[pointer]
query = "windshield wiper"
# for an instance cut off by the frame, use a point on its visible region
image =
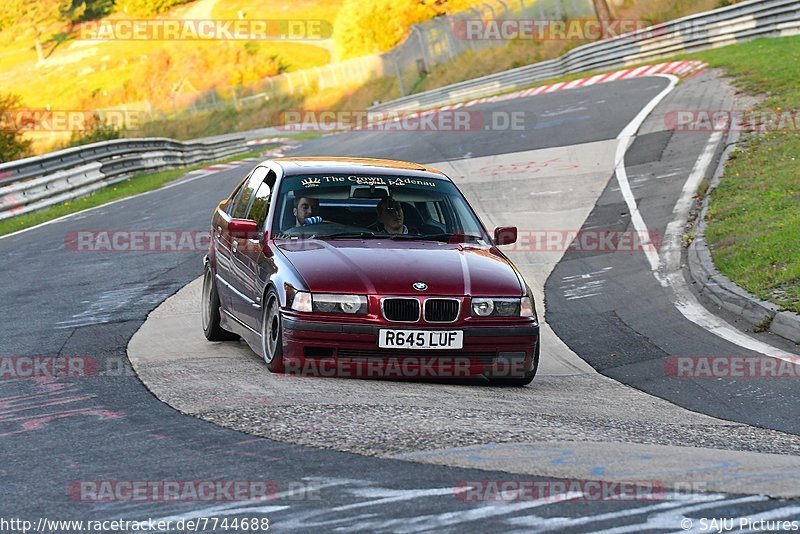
(458, 238)
(345, 235)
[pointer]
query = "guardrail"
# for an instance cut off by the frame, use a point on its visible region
(720, 27)
(35, 183)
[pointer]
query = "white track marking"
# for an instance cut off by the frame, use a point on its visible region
(544, 524)
(575, 291)
(624, 139)
(214, 512)
(671, 249)
(671, 519)
(685, 302)
(241, 507)
(786, 512)
(670, 276)
(399, 496)
(434, 522)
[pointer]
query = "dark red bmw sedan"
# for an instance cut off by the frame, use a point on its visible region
(364, 267)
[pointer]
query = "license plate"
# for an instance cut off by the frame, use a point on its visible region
(420, 339)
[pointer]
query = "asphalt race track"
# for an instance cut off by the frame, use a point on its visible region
(609, 309)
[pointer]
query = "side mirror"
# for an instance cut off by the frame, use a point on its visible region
(505, 235)
(243, 229)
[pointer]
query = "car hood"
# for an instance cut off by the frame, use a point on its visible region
(387, 267)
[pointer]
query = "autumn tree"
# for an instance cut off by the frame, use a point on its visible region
(363, 28)
(12, 144)
(32, 17)
(148, 8)
(602, 10)
(92, 9)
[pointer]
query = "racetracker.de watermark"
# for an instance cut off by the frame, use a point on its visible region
(454, 120)
(69, 120)
(405, 367)
(732, 367)
(47, 366)
(595, 240)
(139, 240)
(165, 241)
(205, 30)
(559, 490)
(710, 120)
(190, 490)
(550, 29)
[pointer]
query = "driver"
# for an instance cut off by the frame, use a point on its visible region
(391, 216)
(305, 211)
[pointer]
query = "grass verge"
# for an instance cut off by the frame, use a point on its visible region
(754, 214)
(134, 185)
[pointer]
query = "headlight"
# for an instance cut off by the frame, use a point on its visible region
(302, 301)
(482, 307)
(332, 303)
(497, 307)
(506, 308)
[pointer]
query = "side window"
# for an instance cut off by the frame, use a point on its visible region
(241, 202)
(260, 206)
(232, 203)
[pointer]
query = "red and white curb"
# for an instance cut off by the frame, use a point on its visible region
(223, 166)
(276, 152)
(267, 140)
(676, 68)
(273, 153)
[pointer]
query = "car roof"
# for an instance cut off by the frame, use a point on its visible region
(341, 165)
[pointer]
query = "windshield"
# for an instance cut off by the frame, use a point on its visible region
(331, 206)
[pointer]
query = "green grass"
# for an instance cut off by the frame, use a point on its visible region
(302, 136)
(134, 185)
(754, 214)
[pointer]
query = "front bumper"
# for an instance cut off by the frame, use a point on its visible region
(321, 348)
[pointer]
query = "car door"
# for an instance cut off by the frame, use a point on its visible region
(251, 266)
(223, 242)
(246, 249)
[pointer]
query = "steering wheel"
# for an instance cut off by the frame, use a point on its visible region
(299, 231)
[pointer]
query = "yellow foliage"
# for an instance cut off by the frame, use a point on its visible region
(363, 28)
(187, 70)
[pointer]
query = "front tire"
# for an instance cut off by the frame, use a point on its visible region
(209, 310)
(272, 333)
